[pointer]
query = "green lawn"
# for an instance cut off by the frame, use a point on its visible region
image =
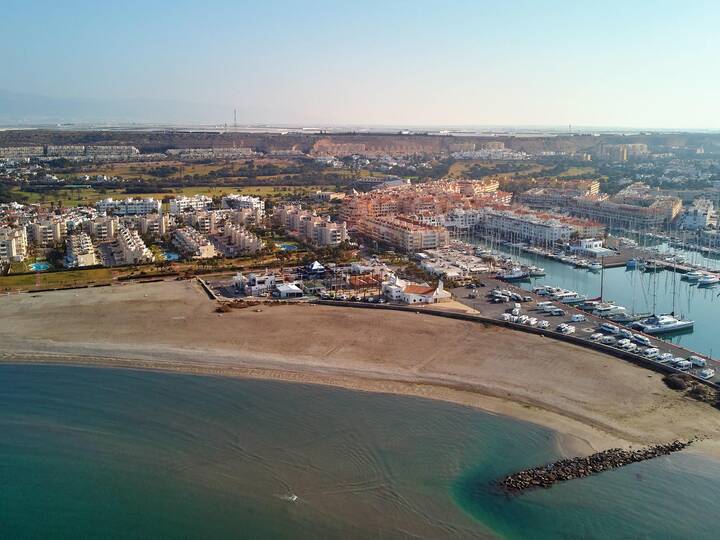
(56, 279)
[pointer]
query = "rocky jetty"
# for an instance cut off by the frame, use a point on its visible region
(568, 469)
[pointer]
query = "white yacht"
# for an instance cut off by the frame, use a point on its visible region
(595, 266)
(662, 324)
(693, 276)
(603, 310)
(708, 279)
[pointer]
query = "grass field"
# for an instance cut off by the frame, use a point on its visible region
(55, 279)
(576, 171)
(85, 196)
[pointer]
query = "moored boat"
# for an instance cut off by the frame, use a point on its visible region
(662, 324)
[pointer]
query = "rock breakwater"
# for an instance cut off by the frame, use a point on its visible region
(546, 476)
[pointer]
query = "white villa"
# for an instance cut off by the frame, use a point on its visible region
(414, 293)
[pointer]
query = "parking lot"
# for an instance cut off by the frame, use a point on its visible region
(589, 328)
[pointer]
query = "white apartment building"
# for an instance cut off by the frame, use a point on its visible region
(128, 207)
(313, 229)
(80, 251)
(47, 232)
(130, 248)
(242, 240)
(205, 222)
(237, 202)
(183, 204)
(111, 150)
(193, 244)
(520, 224)
(21, 152)
(102, 228)
(327, 233)
(153, 225)
(13, 244)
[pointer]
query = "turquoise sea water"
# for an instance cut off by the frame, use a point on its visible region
(101, 453)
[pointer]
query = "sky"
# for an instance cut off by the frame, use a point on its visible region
(641, 63)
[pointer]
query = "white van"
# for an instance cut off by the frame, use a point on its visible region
(697, 361)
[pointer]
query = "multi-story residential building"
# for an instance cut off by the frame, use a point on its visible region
(197, 202)
(111, 150)
(21, 152)
(193, 244)
(313, 229)
(152, 225)
(240, 240)
(438, 197)
(47, 232)
(13, 244)
(130, 248)
(617, 214)
(237, 202)
(205, 222)
(327, 233)
(102, 228)
(521, 224)
(67, 150)
(128, 207)
(558, 194)
(80, 251)
(404, 234)
(699, 216)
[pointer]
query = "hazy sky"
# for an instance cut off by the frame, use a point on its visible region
(604, 63)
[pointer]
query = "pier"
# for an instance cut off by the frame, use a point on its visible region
(545, 476)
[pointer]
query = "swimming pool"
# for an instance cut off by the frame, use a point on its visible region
(287, 247)
(171, 256)
(40, 266)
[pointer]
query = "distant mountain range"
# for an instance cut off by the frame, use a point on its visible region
(20, 108)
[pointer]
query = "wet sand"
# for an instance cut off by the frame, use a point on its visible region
(592, 400)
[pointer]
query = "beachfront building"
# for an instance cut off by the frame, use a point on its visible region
(184, 204)
(399, 290)
(128, 207)
(238, 202)
(101, 228)
(255, 284)
(129, 248)
(193, 244)
(80, 251)
(47, 232)
(404, 234)
(13, 244)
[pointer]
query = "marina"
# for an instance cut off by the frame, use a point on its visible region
(641, 294)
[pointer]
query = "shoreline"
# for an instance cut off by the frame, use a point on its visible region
(573, 437)
(591, 401)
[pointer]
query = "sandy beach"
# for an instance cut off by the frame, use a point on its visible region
(592, 400)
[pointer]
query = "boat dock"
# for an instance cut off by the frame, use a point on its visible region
(478, 300)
